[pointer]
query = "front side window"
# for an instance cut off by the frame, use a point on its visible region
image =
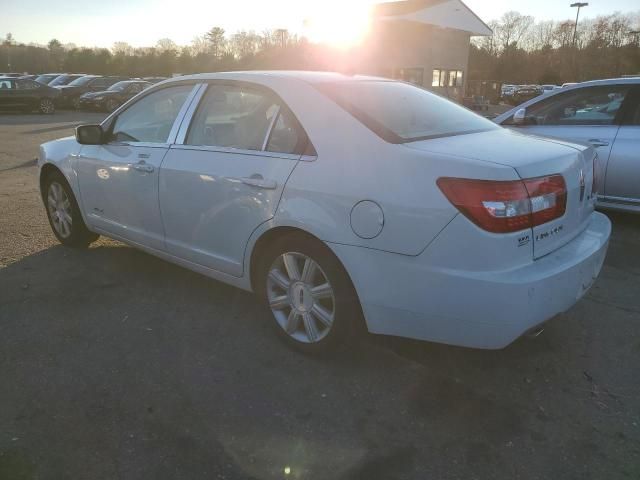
(150, 119)
(585, 106)
(399, 113)
(233, 116)
(26, 85)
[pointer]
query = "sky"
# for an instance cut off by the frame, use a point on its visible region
(143, 22)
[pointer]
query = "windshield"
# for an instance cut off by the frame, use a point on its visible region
(118, 87)
(45, 79)
(78, 82)
(64, 80)
(400, 113)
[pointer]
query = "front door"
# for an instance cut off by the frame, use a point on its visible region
(622, 182)
(119, 180)
(588, 115)
(228, 175)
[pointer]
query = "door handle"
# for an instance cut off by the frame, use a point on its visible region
(598, 143)
(143, 166)
(259, 182)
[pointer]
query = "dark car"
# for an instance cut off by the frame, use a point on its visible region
(114, 96)
(27, 95)
(45, 78)
(70, 94)
(65, 79)
(524, 94)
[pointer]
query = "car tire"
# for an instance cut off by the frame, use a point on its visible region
(46, 106)
(64, 214)
(111, 105)
(313, 304)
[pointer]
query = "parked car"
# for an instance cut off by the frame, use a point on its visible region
(70, 94)
(524, 93)
(549, 88)
(26, 95)
(338, 198)
(114, 96)
(507, 91)
(603, 113)
(65, 79)
(45, 78)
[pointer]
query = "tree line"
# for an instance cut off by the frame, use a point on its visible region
(522, 50)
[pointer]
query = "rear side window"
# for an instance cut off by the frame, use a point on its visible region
(6, 85)
(401, 113)
(233, 116)
(584, 106)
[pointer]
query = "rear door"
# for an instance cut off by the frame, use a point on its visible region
(119, 180)
(225, 176)
(589, 115)
(622, 179)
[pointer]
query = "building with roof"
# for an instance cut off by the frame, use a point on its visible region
(425, 42)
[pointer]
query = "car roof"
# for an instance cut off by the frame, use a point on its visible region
(306, 76)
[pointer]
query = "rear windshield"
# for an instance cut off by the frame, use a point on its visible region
(78, 82)
(400, 113)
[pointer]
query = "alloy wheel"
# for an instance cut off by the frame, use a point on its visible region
(59, 207)
(301, 297)
(46, 105)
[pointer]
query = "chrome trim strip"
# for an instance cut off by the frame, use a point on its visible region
(177, 124)
(270, 129)
(235, 151)
(622, 200)
(188, 115)
(308, 158)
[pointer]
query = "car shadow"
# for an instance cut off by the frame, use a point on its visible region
(134, 354)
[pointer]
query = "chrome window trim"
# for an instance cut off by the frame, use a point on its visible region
(236, 151)
(177, 123)
(272, 124)
(621, 200)
(183, 129)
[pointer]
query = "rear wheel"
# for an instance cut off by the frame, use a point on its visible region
(64, 214)
(46, 106)
(310, 295)
(112, 105)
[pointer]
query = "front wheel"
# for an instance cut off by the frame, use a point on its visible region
(310, 295)
(64, 214)
(46, 106)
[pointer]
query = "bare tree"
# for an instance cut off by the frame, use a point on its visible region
(217, 41)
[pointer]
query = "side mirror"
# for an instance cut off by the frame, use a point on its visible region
(520, 116)
(89, 135)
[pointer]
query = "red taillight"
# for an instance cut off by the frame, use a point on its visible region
(507, 206)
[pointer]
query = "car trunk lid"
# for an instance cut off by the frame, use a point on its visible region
(533, 157)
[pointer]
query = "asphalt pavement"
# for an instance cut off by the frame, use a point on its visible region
(117, 365)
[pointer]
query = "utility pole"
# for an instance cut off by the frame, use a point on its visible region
(575, 27)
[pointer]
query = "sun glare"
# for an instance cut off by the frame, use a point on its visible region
(341, 24)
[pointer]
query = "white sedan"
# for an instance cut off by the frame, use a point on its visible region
(339, 200)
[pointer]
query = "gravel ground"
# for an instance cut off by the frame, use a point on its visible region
(117, 365)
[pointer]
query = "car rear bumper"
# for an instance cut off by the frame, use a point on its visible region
(407, 297)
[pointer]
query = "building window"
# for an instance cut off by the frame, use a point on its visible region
(455, 78)
(439, 78)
